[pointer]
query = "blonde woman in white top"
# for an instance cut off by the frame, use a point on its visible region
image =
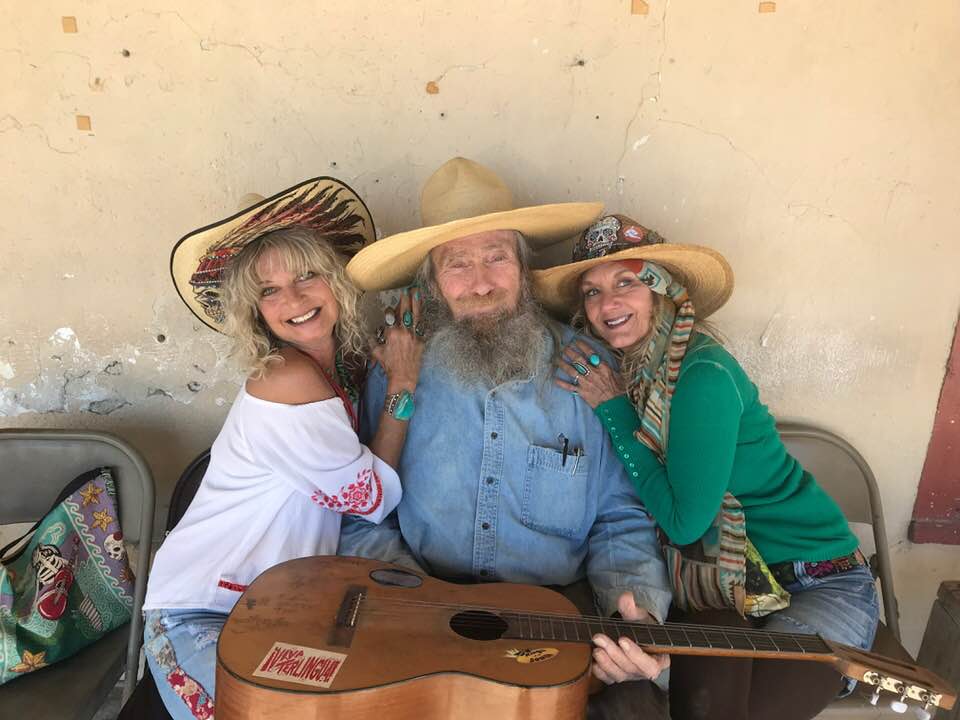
(287, 463)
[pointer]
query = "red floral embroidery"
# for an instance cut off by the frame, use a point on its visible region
(236, 587)
(356, 497)
(193, 694)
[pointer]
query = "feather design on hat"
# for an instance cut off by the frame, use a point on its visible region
(321, 209)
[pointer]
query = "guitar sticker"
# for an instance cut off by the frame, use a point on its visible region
(304, 665)
(527, 656)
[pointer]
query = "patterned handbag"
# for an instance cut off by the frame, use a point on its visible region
(70, 584)
(723, 569)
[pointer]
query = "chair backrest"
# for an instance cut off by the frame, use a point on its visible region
(845, 475)
(145, 703)
(35, 465)
(186, 488)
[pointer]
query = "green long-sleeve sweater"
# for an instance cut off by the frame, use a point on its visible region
(723, 438)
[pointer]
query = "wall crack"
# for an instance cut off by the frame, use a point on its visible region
(733, 146)
(14, 124)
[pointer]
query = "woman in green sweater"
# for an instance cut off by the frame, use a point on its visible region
(690, 429)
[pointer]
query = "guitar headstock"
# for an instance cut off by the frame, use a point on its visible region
(907, 681)
(907, 691)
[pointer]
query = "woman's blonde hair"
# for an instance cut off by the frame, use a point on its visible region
(301, 250)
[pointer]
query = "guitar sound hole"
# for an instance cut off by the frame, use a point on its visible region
(478, 625)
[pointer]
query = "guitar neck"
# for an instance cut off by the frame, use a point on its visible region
(896, 676)
(672, 638)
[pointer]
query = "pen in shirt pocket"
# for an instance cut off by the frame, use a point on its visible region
(565, 451)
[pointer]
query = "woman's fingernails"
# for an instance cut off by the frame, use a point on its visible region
(416, 295)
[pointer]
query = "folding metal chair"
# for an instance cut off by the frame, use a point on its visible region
(145, 702)
(845, 475)
(34, 466)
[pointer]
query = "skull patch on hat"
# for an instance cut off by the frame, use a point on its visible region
(611, 234)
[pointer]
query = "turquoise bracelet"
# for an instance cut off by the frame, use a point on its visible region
(400, 405)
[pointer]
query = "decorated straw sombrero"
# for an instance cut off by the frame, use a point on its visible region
(705, 273)
(325, 204)
(463, 198)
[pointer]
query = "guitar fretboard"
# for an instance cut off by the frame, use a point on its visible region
(526, 626)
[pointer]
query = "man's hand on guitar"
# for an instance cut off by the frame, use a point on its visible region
(615, 662)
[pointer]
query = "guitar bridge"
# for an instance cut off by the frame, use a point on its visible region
(341, 634)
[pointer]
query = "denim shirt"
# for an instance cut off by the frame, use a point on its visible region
(488, 495)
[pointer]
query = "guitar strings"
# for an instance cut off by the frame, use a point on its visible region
(698, 634)
(388, 606)
(719, 638)
(564, 617)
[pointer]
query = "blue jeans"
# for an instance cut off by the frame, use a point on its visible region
(181, 650)
(842, 607)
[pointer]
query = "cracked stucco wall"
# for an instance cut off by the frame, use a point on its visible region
(815, 146)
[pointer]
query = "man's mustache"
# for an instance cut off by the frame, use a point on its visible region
(496, 297)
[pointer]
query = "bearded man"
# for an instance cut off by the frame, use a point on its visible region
(507, 477)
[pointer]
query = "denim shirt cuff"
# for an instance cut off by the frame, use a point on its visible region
(656, 602)
(662, 680)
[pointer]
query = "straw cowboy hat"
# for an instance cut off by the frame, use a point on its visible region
(463, 198)
(325, 204)
(705, 273)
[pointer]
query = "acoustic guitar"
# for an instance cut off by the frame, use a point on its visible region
(334, 637)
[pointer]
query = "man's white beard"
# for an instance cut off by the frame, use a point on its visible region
(490, 349)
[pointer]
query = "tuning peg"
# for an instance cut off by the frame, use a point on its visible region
(923, 713)
(875, 698)
(899, 706)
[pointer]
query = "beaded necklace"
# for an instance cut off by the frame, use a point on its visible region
(344, 397)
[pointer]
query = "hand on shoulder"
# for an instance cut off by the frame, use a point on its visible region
(294, 380)
(587, 375)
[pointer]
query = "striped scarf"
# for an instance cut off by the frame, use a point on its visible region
(654, 379)
(719, 577)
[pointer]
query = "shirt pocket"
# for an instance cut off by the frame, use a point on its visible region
(554, 496)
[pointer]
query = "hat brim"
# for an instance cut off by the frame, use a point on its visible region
(705, 274)
(190, 250)
(394, 260)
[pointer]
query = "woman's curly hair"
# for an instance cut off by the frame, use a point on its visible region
(301, 250)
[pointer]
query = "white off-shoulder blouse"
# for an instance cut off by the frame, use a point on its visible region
(279, 479)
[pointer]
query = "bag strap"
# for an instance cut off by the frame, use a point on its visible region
(70, 488)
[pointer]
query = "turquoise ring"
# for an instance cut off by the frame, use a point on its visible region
(594, 360)
(580, 368)
(407, 319)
